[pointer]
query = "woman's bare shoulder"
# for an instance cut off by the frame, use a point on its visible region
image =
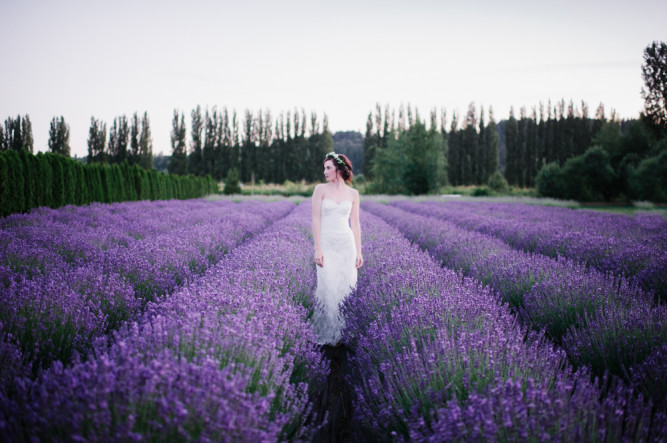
(319, 189)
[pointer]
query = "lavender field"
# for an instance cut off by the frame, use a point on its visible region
(471, 321)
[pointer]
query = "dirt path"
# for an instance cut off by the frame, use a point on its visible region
(335, 397)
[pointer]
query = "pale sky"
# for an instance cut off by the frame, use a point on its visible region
(104, 59)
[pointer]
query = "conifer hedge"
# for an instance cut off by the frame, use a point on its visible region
(28, 181)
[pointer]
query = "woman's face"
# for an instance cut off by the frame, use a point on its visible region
(330, 171)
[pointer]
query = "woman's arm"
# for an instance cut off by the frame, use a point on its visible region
(356, 228)
(317, 204)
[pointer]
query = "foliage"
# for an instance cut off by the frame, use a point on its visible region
(497, 182)
(654, 73)
(232, 185)
(649, 180)
(47, 179)
(17, 134)
(59, 136)
(412, 163)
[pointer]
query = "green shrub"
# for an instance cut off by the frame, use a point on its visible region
(497, 182)
(232, 185)
(549, 181)
(649, 180)
(481, 191)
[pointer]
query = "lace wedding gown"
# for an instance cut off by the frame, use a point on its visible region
(338, 276)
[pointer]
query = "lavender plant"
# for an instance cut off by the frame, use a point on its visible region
(558, 296)
(69, 275)
(634, 247)
(229, 357)
(438, 357)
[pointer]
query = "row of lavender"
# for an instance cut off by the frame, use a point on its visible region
(227, 358)
(601, 320)
(634, 247)
(438, 357)
(75, 273)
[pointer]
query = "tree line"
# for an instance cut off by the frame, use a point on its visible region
(260, 147)
(625, 159)
(48, 179)
(129, 141)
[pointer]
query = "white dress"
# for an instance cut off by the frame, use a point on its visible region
(338, 277)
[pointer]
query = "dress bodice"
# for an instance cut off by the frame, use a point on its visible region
(335, 217)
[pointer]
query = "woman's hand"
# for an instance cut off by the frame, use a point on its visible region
(319, 257)
(360, 261)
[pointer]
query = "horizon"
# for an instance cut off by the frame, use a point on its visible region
(82, 60)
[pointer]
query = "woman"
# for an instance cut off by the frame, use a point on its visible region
(337, 237)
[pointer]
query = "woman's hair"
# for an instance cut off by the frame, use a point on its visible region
(342, 163)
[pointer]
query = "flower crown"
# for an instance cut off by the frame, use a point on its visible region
(335, 156)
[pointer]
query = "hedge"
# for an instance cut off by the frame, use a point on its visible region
(28, 181)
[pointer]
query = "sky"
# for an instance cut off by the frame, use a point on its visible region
(83, 59)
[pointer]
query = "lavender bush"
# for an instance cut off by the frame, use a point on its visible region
(227, 358)
(438, 357)
(71, 275)
(634, 247)
(558, 296)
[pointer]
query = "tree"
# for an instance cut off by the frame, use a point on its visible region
(145, 144)
(196, 158)
(18, 134)
(178, 162)
(118, 138)
(97, 140)
(491, 138)
(232, 185)
(59, 136)
(370, 143)
(654, 73)
(133, 152)
(512, 150)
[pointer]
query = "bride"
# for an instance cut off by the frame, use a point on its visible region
(337, 236)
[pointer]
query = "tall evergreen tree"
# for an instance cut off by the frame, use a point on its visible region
(59, 136)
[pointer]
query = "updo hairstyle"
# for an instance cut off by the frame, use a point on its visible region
(345, 167)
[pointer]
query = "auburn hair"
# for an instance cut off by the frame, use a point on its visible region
(345, 169)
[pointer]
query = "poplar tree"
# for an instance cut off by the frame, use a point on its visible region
(178, 162)
(196, 159)
(18, 134)
(145, 144)
(469, 147)
(118, 139)
(511, 149)
(454, 143)
(370, 143)
(59, 136)
(491, 136)
(133, 151)
(97, 140)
